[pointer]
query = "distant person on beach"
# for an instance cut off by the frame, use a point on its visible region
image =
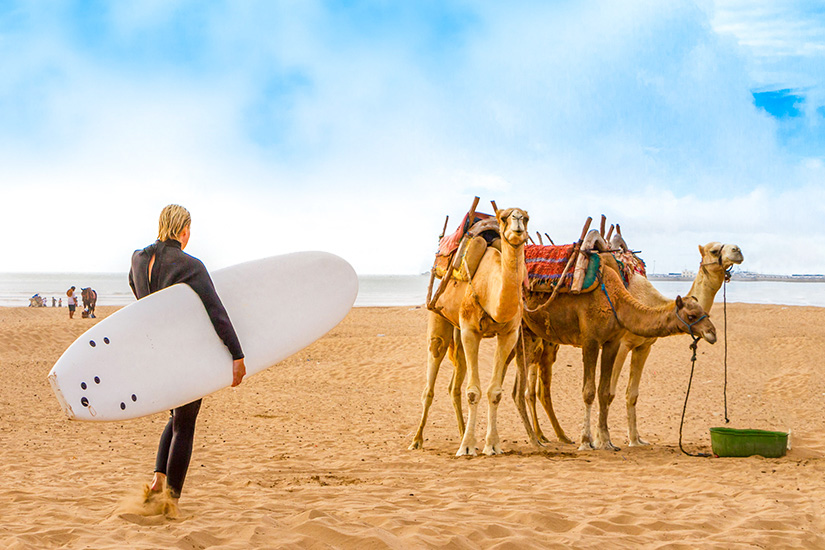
(71, 301)
(156, 267)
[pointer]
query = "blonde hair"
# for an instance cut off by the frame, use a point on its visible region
(173, 220)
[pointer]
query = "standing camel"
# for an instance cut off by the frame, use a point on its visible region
(89, 301)
(596, 321)
(717, 258)
(488, 304)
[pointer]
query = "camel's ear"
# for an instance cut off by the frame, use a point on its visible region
(701, 251)
(503, 214)
(679, 303)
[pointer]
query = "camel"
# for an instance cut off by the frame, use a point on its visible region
(89, 301)
(717, 259)
(488, 304)
(597, 320)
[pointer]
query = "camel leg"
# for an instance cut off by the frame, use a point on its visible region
(471, 339)
(459, 372)
(547, 359)
(609, 350)
(590, 354)
(618, 365)
(506, 343)
(439, 333)
(521, 390)
(531, 391)
(528, 356)
(637, 365)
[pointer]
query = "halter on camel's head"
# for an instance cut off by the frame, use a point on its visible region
(694, 319)
(513, 225)
(722, 256)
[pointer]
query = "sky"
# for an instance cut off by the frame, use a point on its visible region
(355, 127)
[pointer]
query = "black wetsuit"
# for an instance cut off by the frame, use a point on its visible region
(172, 265)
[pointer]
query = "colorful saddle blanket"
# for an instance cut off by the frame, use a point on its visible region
(629, 263)
(449, 243)
(545, 265)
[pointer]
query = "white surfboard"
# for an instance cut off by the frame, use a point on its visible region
(162, 351)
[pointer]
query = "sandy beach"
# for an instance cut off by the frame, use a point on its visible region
(312, 453)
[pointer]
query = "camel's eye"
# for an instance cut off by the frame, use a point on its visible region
(691, 318)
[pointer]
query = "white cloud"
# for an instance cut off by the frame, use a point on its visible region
(640, 112)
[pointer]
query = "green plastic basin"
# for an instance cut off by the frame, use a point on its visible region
(732, 442)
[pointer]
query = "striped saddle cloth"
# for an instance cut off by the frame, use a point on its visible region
(545, 265)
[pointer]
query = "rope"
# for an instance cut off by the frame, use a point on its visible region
(725, 309)
(693, 346)
(609, 301)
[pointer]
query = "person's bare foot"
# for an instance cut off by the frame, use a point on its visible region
(157, 482)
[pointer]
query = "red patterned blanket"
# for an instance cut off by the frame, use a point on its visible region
(449, 243)
(546, 263)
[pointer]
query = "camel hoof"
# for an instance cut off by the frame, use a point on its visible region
(606, 445)
(638, 442)
(586, 446)
(566, 440)
(467, 451)
(416, 445)
(492, 450)
(543, 441)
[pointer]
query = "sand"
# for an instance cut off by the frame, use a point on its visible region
(312, 453)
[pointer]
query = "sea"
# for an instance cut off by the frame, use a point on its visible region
(378, 290)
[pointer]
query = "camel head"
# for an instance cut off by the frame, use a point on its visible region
(512, 224)
(694, 320)
(721, 257)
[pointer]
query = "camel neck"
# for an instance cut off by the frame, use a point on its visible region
(512, 276)
(650, 322)
(706, 284)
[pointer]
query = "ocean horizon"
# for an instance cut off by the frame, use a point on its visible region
(379, 290)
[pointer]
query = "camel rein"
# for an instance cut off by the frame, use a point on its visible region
(693, 365)
(725, 315)
(609, 301)
(693, 347)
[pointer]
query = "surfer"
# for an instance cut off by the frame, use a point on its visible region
(160, 265)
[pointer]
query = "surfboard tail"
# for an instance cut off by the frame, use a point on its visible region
(67, 409)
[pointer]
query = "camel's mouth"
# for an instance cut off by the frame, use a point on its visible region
(709, 336)
(732, 254)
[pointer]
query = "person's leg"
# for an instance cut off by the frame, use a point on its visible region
(162, 457)
(180, 448)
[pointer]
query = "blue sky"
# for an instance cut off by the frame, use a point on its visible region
(355, 127)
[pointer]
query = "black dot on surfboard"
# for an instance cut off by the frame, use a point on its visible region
(123, 406)
(84, 401)
(92, 343)
(134, 397)
(97, 380)
(83, 385)
(106, 340)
